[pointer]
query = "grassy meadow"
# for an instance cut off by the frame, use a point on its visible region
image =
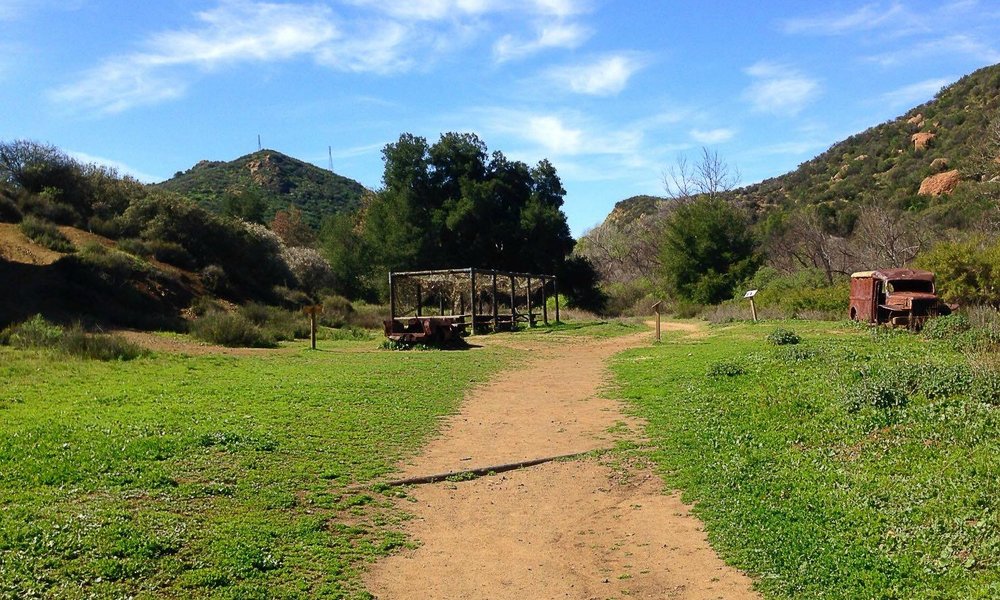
(211, 476)
(856, 463)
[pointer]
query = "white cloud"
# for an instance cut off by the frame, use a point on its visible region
(234, 32)
(779, 89)
(429, 10)
(605, 76)
(712, 136)
(960, 44)
(555, 35)
(870, 16)
(916, 93)
(122, 168)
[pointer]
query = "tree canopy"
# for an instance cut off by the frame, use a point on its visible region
(455, 204)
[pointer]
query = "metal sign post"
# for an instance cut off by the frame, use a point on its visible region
(753, 309)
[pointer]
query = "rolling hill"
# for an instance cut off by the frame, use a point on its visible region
(913, 162)
(279, 178)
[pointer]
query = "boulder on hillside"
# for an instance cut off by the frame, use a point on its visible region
(942, 183)
(917, 119)
(940, 164)
(921, 140)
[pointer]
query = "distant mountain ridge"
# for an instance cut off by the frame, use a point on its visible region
(912, 161)
(282, 179)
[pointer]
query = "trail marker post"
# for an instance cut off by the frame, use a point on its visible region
(656, 307)
(753, 309)
(312, 311)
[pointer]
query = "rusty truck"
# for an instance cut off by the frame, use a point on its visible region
(904, 297)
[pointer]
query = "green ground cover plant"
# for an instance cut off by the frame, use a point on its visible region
(46, 234)
(860, 463)
(211, 476)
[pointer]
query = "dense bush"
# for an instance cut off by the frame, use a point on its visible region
(230, 329)
(336, 311)
(113, 266)
(873, 392)
(946, 327)
(38, 333)
(794, 295)
(783, 337)
(45, 234)
(9, 212)
(966, 270)
(725, 368)
(276, 323)
(77, 342)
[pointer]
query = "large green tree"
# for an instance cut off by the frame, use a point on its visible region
(708, 248)
(455, 204)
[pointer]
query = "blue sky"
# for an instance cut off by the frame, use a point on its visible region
(611, 92)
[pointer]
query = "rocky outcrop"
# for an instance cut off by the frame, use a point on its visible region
(917, 120)
(942, 183)
(940, 164)
(921, 140)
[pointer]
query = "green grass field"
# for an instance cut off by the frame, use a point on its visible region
(211, 476)
(855, 464)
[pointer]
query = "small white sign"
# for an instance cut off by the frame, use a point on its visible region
(750, 294)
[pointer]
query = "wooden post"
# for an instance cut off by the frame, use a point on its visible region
(513, 324)
(312, 311)
(530, 322)
(496, 314)
(555, 292)
(656, 307)
(753, 309)
(420, 301)
(440, 303)
(392, 298)
(545, 303)
(472, 285)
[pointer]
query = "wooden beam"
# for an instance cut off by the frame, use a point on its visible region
(545, 303)
(392, 297)
(496, 314)
(531, 322)
(555, 292)
(472, 286)
(420, 301)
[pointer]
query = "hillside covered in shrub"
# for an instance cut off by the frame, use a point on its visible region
(921, 189)
(258, 185)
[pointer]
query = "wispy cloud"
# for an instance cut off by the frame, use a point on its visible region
(604, 76)
(712, 136)
(235, 32)
(865, 18)
(122, 168)
(957, 44)
(779, 89)
(374, 37)
(916, 93)
(555, 35)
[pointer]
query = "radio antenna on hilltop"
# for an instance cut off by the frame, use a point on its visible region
(329, 150)
(258, 143)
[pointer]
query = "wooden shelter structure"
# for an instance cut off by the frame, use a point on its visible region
(438, 305)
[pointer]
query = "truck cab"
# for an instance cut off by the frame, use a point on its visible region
(904, 297)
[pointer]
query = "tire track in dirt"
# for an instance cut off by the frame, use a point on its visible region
(581, 529)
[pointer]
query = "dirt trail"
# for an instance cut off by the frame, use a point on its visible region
(579, 529)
